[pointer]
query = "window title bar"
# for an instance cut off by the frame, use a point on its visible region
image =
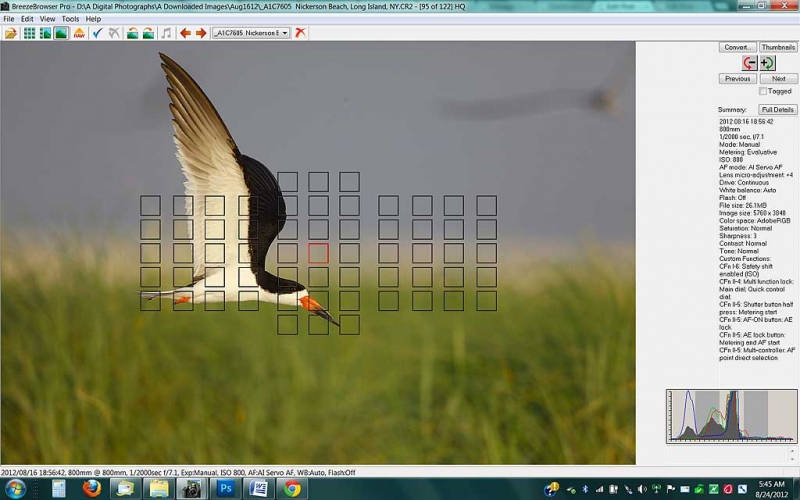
(403, 7)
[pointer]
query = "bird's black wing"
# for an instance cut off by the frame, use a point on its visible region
(267, 211)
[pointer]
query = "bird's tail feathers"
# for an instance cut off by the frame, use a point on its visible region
(177, 293)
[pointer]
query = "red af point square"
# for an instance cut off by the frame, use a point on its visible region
(319, 253)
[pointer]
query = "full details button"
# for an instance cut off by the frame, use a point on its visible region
(777, 109)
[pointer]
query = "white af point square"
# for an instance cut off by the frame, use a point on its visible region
(215, 277)
(215, 229)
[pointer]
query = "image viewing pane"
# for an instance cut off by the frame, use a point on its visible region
(396, 253)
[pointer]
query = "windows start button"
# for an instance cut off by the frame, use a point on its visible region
(250, 33)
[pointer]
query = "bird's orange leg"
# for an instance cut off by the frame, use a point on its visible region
(182, 300)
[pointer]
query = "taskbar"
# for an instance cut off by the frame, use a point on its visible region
(440, 488)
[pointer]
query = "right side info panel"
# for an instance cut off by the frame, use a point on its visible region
(718, 252)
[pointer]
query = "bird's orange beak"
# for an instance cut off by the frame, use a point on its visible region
(312, 306)
(309, 303)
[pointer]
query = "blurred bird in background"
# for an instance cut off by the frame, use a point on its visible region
(604, 98)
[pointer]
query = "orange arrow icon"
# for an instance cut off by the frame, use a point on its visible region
(201, 33)
(185, 32)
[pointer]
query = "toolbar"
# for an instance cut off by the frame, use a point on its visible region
(405, 7)
(38, 32)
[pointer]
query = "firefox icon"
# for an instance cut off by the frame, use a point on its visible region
(92, 488)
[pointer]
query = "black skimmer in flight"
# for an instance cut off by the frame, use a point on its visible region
(241, 191)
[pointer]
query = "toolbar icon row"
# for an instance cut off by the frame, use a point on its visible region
(145, 33)
(44, 33)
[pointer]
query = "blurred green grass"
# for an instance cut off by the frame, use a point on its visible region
(88, 378)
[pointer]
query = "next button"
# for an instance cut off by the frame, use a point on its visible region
(778, 78)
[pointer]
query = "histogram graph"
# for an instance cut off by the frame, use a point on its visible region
(712, 416)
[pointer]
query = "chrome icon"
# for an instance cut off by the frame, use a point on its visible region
(292, 488)
(16, 488)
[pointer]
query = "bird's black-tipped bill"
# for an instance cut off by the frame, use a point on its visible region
(326, 315)
(313, 306)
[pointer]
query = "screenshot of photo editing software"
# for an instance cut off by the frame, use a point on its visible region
(399, 250)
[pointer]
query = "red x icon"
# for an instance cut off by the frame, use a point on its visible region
(783, 5)
(300, 32)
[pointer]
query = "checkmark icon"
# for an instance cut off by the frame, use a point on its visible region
(96, 33)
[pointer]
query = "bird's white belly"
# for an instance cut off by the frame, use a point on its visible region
(239, 285)
(232, 285)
